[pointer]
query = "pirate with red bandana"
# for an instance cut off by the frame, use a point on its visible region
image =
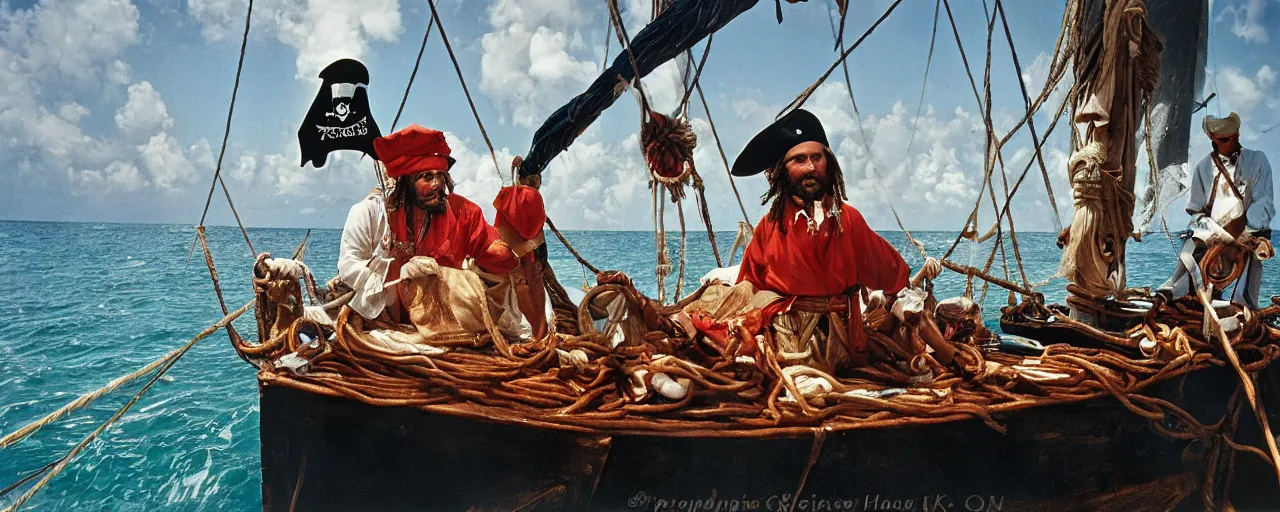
(420, 217)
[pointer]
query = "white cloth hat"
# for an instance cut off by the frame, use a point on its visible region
(1222, 126)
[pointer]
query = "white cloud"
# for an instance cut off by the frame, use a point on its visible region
(72, 112)
(145, 113)
(1247, 20)
(73, 38)
(534, 57)
(244, 169)
(119, 176)
(321, 31)
(49, 52)
(169, 168)
(118, 73)
(1242, 93)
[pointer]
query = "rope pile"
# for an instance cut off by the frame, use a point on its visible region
(663, 382)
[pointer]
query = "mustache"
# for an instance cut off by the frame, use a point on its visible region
(810, 175)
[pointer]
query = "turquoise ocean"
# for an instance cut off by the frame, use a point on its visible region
(83, 303)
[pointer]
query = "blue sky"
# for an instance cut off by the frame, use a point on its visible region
(113, 110)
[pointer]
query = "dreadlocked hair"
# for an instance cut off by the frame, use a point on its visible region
(402, 190)
(780, 187)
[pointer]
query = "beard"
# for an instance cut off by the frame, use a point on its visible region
(809, 188)
(433, 204)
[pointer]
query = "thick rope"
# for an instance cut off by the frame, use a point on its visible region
(226, 134)
(232, 335)
(88, 398)
(705, 212)
(458, 69)
(575, 254)
(29, 477)
(683, 250)
(620, 29)
(416, 63)
(66, 459)
(1246, 381)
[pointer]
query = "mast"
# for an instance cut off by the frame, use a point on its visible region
(1116, 66)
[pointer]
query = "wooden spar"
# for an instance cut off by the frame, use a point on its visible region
(976, 272)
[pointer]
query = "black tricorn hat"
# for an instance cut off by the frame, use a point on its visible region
(773, 143)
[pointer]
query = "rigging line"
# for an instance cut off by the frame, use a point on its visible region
(378, 170)
(928, 64)
(28, 478)
(1062, 107)
(226, 134)
(728, 172)
(458, 69)
(990, 140)
(871, 160)
(66, 459)
(688, 91)
(1031, 124)
(989, 165)
(620, 30)
(804, 96)
(414, 74)
(608, 34)
(1004, 179)
(867, 144)
(581, 260)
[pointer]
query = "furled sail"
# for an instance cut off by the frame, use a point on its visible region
(1116, 67)
(1183, 27)
(675, 30)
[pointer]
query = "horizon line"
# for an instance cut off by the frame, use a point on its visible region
(37, 221)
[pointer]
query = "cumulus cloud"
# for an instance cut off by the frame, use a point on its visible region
(169, 167)
(118, 176)
(1243, 93)
(534, 56)
(145, 112)
(1247, 20)
(49, 51)
(56, 53)
(321, 31)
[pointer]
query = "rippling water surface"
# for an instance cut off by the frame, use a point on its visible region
(81, 304)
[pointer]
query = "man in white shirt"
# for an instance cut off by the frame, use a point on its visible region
(1231, 197)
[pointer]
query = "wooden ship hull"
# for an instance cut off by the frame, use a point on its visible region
(328, 453)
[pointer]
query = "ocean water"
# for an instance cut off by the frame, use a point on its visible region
(83, 303)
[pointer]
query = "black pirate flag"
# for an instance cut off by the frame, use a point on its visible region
(339, 117)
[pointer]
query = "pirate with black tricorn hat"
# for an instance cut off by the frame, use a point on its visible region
(813, 244)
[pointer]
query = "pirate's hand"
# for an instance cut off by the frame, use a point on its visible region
(401, 254)
(931, 268)
(420, 266)
(1204, 228)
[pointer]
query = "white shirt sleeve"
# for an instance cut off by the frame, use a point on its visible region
(1261, 201)
(1201, 180)
(362, 262)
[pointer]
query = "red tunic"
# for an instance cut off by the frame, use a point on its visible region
(459, 232)
(826, 263)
